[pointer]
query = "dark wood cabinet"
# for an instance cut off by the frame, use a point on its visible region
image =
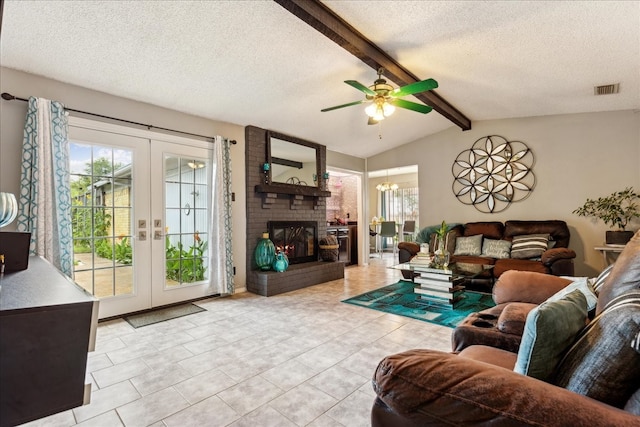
(353, 239)
(47, 327)
(348, 240)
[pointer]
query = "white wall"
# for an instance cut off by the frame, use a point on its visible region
(409, 180)
(577, 156)
(12, 115)
(344, 161)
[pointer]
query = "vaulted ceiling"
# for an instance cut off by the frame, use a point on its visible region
(254, 62)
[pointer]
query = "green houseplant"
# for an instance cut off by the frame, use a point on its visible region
(441, 258)
(615, 210)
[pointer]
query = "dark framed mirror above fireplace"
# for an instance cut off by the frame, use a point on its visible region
(297, 239)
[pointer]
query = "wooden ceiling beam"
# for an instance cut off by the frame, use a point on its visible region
(323, 19)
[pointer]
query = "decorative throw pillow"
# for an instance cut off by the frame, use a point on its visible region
(425, 235)
(529, 246)
(449, 241)
(597, 282)
(471, 245)
(549, 331)
(581, 283)
(498, 249)
(604, 364)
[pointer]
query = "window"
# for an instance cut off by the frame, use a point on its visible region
(400, 205)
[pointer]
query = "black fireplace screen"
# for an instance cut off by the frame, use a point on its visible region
(297, 239)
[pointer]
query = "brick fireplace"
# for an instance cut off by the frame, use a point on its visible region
(265, 205)
(298, 240)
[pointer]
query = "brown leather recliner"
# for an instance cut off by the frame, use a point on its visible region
(515, 294)
(596, 383)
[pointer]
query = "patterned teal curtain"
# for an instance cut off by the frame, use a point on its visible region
(221, 260)
(45, 198)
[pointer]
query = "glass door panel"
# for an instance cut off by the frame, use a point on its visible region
(184, 253)
(101, 218)
(108, 173)
(187, 220)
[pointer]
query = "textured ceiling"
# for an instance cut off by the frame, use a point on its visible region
(254, 63)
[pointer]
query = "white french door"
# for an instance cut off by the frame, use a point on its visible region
(180, 179)
(140, 216)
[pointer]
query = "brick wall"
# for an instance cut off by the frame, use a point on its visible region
(344, 198)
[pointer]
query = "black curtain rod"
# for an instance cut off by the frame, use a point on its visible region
(9, 97)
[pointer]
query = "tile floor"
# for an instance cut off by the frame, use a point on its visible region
(298, 359)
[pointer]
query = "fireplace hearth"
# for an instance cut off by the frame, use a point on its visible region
(296, 239)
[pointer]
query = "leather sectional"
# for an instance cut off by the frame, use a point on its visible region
(556, 260)
(595, 382)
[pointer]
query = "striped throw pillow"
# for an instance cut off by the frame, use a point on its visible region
(529, 246)
(603, 363)
(599, 281)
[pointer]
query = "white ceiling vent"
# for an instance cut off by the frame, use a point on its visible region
(606, 89)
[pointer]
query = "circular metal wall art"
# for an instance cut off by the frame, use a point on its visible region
(493, 173)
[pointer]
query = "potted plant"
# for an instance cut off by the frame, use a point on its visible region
(442, 234)
(615, 210)
(441, 256)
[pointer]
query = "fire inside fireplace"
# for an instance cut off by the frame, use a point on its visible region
(296, 239)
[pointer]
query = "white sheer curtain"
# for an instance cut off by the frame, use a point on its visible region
(45, 198)
(220, 259)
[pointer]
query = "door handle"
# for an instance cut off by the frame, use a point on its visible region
(157, 233)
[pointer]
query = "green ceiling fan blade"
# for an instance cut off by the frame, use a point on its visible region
(413, 88)
(360, 87)
(420, 108)
(343, 105)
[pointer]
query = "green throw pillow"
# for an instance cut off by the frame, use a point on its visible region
(549, 331)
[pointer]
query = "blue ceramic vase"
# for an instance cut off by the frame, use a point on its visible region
(281, 263)
(265, 253)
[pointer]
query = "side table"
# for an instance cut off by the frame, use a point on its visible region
(606, 250)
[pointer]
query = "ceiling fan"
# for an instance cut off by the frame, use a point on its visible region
(384, 98)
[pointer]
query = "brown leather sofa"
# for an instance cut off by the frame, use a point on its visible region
(596, 382)
(558, 260)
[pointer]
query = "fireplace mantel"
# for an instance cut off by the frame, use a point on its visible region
(292, 190)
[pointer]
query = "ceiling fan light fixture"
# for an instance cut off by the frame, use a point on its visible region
(388, 109)
(383, 98)
(379, 115)
(379, 109)
(371, 110)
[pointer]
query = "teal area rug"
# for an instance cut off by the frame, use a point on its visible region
(400, 299)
